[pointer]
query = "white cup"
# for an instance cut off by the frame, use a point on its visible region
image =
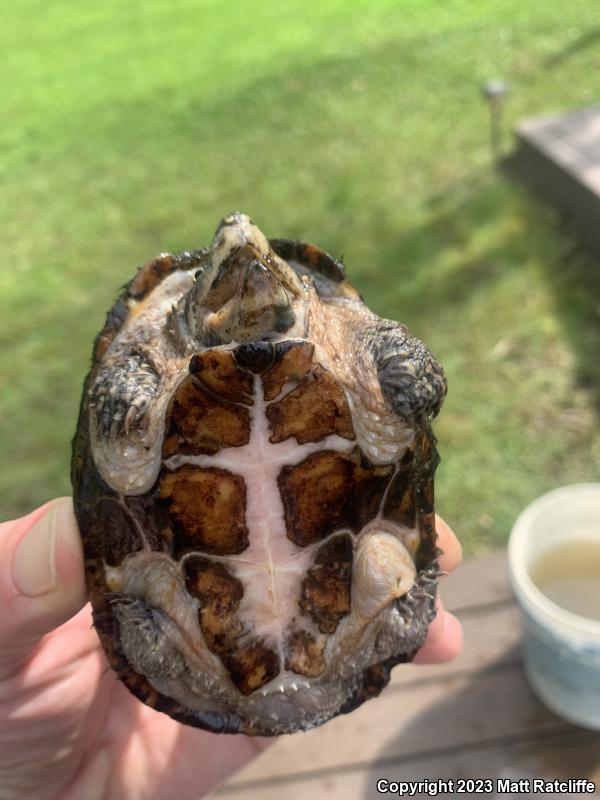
(561, 649)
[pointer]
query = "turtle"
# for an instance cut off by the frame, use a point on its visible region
(253, 475)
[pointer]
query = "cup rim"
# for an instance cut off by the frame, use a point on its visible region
(520, 579)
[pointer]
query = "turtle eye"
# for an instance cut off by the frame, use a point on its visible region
(198, 274)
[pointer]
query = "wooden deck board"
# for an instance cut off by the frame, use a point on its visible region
(544, 754)
(473, 717)
(559, 158)
(477, 582)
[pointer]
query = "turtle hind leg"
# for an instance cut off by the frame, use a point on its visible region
(144, 637)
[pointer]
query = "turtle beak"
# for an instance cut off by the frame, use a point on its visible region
(233, 233)
(248, 292)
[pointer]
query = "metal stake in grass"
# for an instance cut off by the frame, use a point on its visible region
(495, 92)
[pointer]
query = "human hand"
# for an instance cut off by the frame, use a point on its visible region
(445, 636)
(67, 732)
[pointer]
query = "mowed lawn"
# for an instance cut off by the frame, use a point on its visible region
(131, 128)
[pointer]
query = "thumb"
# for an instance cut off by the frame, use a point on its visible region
(42, 580)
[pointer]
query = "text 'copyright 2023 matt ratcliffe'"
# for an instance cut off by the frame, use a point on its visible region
(484, 786)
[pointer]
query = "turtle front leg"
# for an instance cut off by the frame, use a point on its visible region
(121, 395)
(411, 380)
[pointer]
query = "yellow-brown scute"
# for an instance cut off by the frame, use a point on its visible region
(252, 666)
(207, 509)
(199, 421)
(325, 592)
(328, 491)
(219, 594)
(293, 360)
(217, 370)
(305, 654)
(314, 409)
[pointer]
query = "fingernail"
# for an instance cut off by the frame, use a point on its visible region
(34, 565)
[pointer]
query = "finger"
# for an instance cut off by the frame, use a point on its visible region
(42, 580)
(449, 544)
(444, 639)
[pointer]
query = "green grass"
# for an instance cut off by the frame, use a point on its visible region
(131, 128)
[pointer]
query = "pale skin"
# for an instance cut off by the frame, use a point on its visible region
(68, 729)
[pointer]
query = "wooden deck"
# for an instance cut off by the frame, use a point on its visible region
(475, 717)
(558, 157)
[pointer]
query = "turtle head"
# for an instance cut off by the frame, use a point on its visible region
(245, 292)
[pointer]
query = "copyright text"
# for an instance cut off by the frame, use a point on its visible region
(484, 786)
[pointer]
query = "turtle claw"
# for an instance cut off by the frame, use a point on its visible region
(136, 417)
